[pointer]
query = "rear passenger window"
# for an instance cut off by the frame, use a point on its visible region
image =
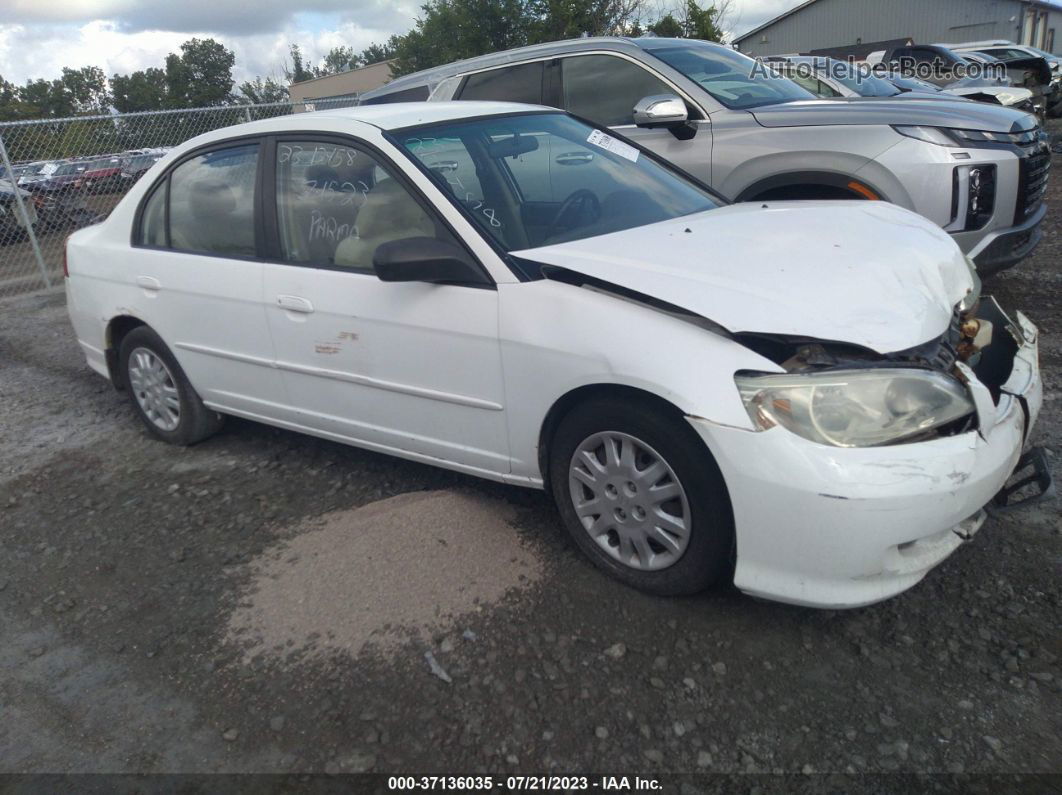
(153, 219)
(212, 202)
(605, 89)
(337, 204)
(512, 84)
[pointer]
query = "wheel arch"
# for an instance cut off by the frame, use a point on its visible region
(117, 328)
(566, 402)
(855, 188)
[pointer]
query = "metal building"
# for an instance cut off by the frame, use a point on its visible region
(817, 24)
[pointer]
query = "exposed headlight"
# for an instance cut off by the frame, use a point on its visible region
(855, 408)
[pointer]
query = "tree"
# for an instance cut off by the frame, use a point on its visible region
(297, 71)
(568, 19)
(143, 90)
(453, 29)
(200, 76)
(375, 53)
(338, 59)
(691, 21)
(86, 89)
(263, 92)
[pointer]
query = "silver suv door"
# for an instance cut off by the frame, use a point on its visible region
(604, 88)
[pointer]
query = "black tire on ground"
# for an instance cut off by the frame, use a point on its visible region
(195, 422)
(709, 553)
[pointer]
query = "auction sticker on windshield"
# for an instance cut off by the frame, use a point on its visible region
(606, 141)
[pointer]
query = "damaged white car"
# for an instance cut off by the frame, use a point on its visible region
(810, 396)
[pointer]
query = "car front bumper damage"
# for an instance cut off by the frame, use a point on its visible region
(839, 528)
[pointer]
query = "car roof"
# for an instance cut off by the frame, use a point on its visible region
(390, 116)
(395, 115)
(437, 74)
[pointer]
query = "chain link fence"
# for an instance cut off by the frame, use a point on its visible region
(58, 175)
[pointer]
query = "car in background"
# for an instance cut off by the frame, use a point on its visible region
(828, 78)
(101, 175)
(28, 173)
(1017, 55)
(12, 221)
(1009, 96)
(813, 395)
(977, 170)
(64, 176)
(134, 167)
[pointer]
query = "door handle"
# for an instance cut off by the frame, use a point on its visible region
(293, 303)
(148, 283)
(573, 158)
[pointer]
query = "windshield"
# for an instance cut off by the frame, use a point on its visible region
(735, 80)
(913, 84)
(1044, 53)
(536, 179)
(860, 80)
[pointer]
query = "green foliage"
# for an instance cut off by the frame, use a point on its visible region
(692, 22)
(201, 76)
(297, 71)
(143, 90)
(263, 92)
(450, 30)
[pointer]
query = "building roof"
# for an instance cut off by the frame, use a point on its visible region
(375, 65)
(770, 22)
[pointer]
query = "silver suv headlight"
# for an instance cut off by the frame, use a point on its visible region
(947, 136)
(855, 408)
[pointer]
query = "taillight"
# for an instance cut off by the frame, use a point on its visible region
(66, 266)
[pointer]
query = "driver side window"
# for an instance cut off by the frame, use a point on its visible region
(605, 89)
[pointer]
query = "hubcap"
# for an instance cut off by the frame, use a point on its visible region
(629, 501)
(154, 389)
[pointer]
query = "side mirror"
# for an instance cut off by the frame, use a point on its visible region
(660, 110)
(425, 259)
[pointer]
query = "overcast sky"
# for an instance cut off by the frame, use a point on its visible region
(39, 37)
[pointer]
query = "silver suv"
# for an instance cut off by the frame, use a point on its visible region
(978, 170)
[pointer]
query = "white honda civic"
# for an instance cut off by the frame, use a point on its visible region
(810, 396)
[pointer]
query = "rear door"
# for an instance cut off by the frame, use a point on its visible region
(198, 281)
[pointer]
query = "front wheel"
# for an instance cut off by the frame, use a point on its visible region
(160, 392)
(642, 496)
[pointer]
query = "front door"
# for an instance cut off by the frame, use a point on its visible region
(403, 367)
(605, 89)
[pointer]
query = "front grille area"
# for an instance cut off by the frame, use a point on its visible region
(1034, 170)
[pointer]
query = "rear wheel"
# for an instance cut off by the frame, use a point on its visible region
(160, 392)
(642, 496)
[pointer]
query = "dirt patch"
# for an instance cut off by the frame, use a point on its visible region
(381, 574)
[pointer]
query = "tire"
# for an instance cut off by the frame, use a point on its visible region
(685, 564)
(161, 395)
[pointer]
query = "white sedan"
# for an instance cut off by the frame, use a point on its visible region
(807, 396)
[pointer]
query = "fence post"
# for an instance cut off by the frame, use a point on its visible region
(25, 215)
(246, 114)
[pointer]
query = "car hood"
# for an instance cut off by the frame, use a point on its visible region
(931, 113)
(865, 273)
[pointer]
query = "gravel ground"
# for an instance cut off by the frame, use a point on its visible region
(249, 604)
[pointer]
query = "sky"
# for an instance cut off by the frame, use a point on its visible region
(39, 37)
